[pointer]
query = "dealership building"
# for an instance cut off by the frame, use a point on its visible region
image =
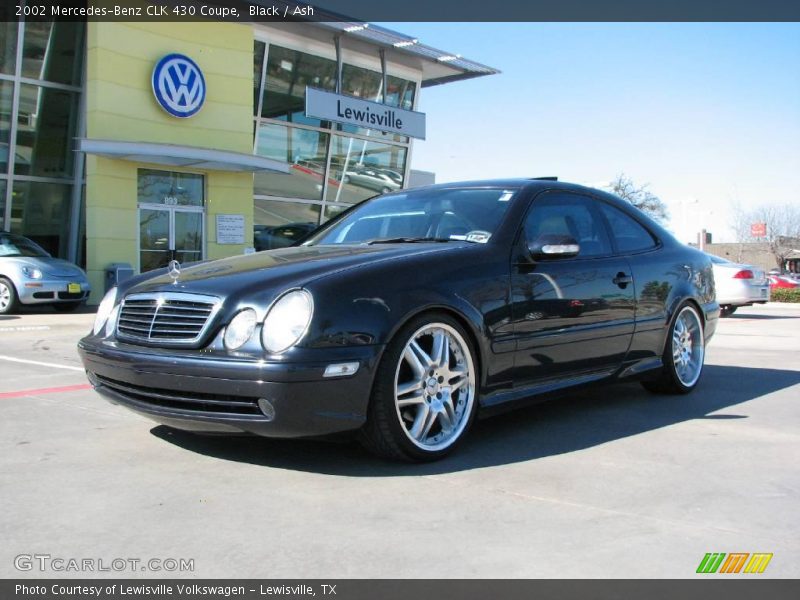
(142, 142)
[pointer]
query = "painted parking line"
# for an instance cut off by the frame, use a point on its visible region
(40, 391)
(41, 364)
(26, 328)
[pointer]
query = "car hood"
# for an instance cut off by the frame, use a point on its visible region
(54, 267)
(280, 269)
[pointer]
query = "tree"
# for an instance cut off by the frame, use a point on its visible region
(783, 229)
(782, 223)
(642, 198)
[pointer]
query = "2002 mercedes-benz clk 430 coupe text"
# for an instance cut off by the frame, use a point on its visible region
(407, 315)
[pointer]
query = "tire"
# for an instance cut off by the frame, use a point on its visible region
(727, 311)
(686, 345)
(385, 190)
(414, 415)
(65, 307)
(8, 297)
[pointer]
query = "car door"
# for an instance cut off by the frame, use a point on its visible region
(572, 315)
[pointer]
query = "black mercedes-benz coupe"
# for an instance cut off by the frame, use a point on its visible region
(407, 315)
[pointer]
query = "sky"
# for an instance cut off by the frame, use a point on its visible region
(705, 114)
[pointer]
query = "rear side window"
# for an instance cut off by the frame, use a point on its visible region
(567, 214)
(629, 235)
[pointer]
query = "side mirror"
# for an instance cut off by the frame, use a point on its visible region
(554, 246)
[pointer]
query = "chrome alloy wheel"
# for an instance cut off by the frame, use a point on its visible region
(688, 346)
(5, 296)
(434, 387)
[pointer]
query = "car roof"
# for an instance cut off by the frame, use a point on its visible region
(549, 183)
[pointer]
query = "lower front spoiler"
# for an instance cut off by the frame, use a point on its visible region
(301, 407)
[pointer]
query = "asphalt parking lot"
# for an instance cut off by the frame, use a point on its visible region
(609, 483)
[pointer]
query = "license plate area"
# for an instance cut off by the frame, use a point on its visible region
(74, 288)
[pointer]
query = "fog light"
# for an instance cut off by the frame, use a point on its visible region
(266, 408)
(341, 369)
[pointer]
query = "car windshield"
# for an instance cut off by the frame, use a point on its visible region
(16, 245)
(442, 215)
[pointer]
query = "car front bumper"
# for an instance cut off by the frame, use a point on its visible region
(215, 395)
(49, 291)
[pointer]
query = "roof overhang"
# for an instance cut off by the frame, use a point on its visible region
(172, 155)
(438, 66)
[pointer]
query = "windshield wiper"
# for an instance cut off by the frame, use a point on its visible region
(405, 240)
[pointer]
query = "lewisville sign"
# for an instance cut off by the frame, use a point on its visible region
(363, 113)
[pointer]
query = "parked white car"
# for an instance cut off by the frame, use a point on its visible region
(29, 275)
(738, 285)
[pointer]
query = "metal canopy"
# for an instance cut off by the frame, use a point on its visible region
(182, 156)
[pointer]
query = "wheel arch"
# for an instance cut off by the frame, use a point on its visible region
(469, 327)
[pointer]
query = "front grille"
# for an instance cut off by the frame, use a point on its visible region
(169, 318)
(187, 401)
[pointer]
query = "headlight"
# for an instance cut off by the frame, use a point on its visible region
(287, 321)
(111, 323)
(104, 310)
(240, 329)
(31, 273)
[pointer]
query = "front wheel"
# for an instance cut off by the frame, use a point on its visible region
(424, 397)
(8, 297)
(684, 354)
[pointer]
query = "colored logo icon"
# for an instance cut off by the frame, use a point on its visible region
(179, 85)
(736, 562)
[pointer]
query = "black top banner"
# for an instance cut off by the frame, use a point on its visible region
(404, 10)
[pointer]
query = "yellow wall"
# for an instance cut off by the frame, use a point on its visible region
(120, 106)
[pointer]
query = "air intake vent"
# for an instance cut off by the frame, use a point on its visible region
(167, 318)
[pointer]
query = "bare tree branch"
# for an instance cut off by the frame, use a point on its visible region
(638, 195)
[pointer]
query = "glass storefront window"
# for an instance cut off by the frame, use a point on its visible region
(303, 149)
(170, 188)
(2, 204)
(52, 51)
(331, 210)
(279, 224)
(361, 169)
(40, 211)
(258, 64)
(8, 47)
(6, 92)
(367, 84)
(288, 74)
(45, 131)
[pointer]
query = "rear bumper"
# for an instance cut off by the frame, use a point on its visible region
(222, 396)
(744, 294)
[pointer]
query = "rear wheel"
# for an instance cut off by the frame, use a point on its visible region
(8, 297)
(727, 310)
(684, 354)
(424, 398)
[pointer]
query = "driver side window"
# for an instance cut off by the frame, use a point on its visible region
(568, 215)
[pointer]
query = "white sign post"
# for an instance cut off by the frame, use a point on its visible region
(363, 113)
(230, 229)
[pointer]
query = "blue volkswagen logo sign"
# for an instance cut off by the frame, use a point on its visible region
(179, 85)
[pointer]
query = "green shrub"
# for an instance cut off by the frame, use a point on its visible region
(785, 295)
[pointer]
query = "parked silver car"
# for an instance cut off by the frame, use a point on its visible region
(738, 285)
(29, 275)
